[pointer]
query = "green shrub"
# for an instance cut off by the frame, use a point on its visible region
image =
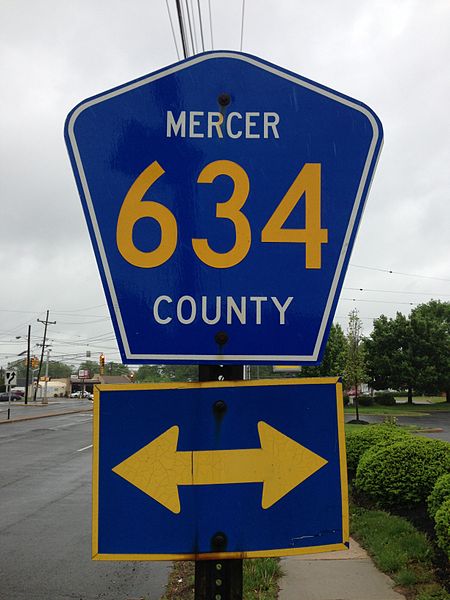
(365, 400)
(346, 399)
(440, 492)
(442, 526)
(404, 472)
(385, 399)
(367, 437)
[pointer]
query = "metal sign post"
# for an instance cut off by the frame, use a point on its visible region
(10, 380)
(219, 579)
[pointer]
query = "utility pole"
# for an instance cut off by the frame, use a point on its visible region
(46, 323)
(45, 399)
(29, 366)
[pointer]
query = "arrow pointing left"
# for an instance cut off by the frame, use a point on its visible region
(280, 464)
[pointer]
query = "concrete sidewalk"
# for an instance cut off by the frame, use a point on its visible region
(344, 575)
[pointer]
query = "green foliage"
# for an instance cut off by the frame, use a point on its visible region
(385, 399)
(365, 400)
(260, 578)
(346, 399)
(398, 549)
(333, 362)
(369, 436)
(57, 369)
(355, 360)
(89, 365)
(442, 526)
(412, 352)
(404, 472)
(439, 493)
(166, 373)
(113, 368)
(394, 543)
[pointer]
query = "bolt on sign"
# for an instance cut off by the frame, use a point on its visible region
(249, 476)
(222, 196)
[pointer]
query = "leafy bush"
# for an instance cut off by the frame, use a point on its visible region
(367, 437)
(404, 472)
(440, 492)
(365, 400)
(385, 399)
(442, 526)
(346, 399)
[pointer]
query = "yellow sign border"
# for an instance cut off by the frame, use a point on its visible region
(220, 384)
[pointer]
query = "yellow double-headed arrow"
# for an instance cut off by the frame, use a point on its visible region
(280, 464)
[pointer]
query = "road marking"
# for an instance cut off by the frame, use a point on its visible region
(85, 448)
(70, 425)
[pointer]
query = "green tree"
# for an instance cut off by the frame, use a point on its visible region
(412, 353)
(113, 368)
(334, 357)
(88, 365)
(57, 369)
(390, 354)
(166, 373)
(355, 362)
(430, 326)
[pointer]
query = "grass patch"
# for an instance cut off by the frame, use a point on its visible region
(261, 577)
(398, 549)
(400, 410)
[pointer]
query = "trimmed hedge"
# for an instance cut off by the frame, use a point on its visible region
(442, 526)
(365, 400)
(385, 399)
(367, 437)
(440, 493)
(404, 472)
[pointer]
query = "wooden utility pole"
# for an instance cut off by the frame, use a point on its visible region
(46, 323)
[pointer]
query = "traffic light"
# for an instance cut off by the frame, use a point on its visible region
(101, 361)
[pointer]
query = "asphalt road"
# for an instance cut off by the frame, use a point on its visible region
(55, 405)
(436, 420)
(45, 519)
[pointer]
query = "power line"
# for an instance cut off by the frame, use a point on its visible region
(173, 30)
(194, 29)
(186, 5)
(398, 272)
(242, 24)
(397, 292)
(210, 25)
(182, 30)
(382, 301)
(201, 25)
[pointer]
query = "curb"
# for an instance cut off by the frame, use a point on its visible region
(59, 414)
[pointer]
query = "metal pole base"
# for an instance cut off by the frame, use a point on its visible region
(218, 579)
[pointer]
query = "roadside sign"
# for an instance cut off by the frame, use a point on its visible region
(260, 472)
(223, 195)
(10, 378)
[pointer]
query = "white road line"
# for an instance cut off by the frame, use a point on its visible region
(85, 448)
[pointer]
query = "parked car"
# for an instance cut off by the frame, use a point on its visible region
(79, 394)
(4, 396)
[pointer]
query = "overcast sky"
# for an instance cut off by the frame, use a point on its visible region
(391, 54)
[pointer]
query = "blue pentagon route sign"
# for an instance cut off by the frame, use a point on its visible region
(223, 195)
(263, 465)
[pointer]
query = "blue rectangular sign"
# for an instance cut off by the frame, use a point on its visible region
(219, 470)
